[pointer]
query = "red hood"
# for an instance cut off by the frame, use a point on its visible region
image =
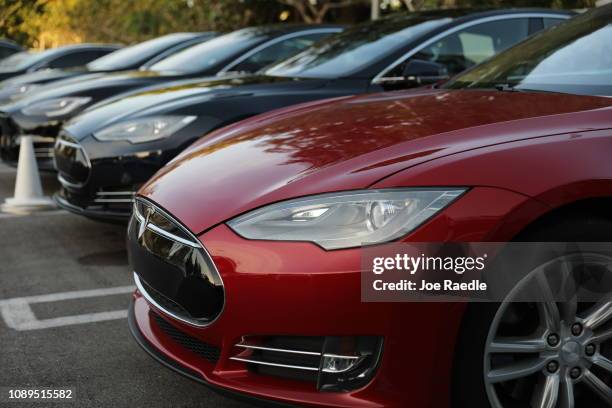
(351, 143)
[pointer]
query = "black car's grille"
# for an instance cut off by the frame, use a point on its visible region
(71, 162)
(171, 268)
(204, 350)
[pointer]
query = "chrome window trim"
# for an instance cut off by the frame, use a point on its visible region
(380, 78)
(199, 246)
(273, 41)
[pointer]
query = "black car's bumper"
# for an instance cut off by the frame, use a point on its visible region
(97, 184)
(99, 213)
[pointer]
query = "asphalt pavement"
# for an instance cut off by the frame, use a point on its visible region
(64, 290)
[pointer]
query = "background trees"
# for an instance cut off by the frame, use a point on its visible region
(48, 23)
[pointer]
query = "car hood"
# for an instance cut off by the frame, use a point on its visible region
(164, 98)
(346, 143)
(41, 77)
(90, 83)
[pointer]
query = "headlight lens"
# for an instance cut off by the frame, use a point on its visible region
(346, 219)
(56, 107)
(16, 92)
(145, 129)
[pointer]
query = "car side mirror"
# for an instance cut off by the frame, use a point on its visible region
(423, 72)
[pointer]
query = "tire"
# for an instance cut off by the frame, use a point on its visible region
(469, 388)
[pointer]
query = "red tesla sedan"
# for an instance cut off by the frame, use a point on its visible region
(247, 248)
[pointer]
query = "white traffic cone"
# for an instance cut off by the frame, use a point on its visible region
(28, 189)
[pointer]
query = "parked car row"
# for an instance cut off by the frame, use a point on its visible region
(252, 175)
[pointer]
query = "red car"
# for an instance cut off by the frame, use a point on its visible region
(246, 249)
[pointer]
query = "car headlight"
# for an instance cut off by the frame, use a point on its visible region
(145, 129)
(16, 92)
(346, 219)
(56, 107)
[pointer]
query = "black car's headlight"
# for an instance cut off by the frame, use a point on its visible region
(346, 219)
(144, 129)
(52, 108)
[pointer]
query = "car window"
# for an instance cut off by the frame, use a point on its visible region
(74, 59)
(549, 22)
(277, 52)
(472, 45)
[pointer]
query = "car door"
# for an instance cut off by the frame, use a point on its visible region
(465, 47)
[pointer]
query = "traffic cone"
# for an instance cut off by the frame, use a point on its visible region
(28, 189)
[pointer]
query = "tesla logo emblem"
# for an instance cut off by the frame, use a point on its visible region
(143, 225)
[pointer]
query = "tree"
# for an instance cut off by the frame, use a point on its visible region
(314, 11)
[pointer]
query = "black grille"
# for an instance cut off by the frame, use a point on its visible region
(9, 150)
(172, 269)
(163, 301)
(71, 161)
(204, 350)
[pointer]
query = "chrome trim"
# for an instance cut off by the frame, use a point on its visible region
(67, 183)
(266, 363)
(379, 79)
(273, 41)
(152, 301)
(115, 193)
(159, 231)
(113, 200)
(199, 246)
(68, 144)
(309, 353)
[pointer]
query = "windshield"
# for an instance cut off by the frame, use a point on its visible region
(203, 56)
(137, 54)
(348, 52)
(18, 61)
(573, 57)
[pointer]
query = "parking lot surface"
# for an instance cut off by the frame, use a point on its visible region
(64, 289)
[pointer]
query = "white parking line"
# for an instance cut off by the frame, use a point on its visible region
(18, 314)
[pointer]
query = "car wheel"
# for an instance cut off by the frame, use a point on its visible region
(542, 354)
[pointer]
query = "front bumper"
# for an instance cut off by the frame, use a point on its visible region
(99, 182)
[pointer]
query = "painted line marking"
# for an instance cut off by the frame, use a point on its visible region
(18, 314)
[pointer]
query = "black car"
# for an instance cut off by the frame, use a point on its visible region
(41, 112)
(61, 57)
(106, 153)
(125, 59)
(7, 48)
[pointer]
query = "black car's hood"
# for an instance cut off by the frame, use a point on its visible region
(92, 84)
(10, 87)
(48, 75)
(180, 94)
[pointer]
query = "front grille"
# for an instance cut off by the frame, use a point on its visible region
(172, 269)
(71, 161)
(204, 350)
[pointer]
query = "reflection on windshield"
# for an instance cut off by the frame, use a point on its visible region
(362, 45)
(574, 57)
(143, 51)
(17, 61)
(203, 56)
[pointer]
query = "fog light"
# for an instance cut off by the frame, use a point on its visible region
(348, 363)
(338, 364)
